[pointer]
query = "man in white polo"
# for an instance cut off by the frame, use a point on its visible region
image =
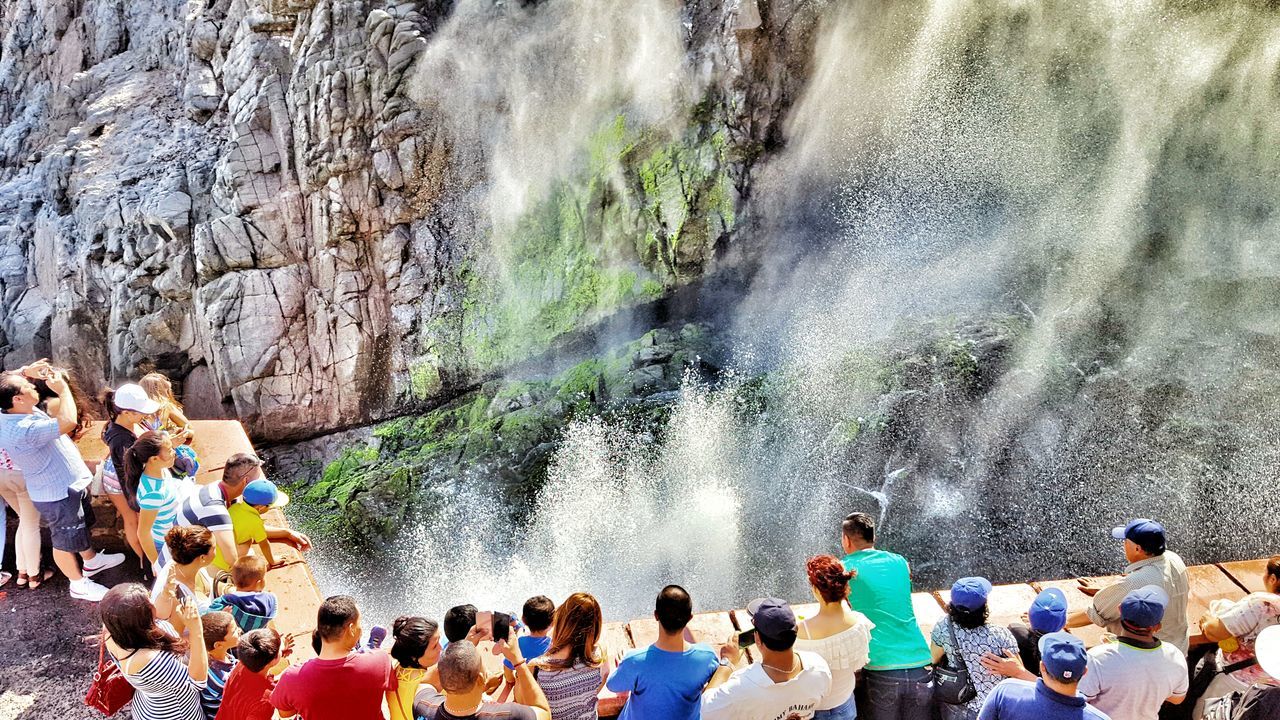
(1130, 679)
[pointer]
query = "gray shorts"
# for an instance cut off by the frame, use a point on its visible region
(68, 520)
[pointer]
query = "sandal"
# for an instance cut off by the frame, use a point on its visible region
(5, 577)
(34, 583)
(22, 580)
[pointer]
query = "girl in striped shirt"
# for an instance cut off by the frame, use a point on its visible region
(151, 658)
(159, 494)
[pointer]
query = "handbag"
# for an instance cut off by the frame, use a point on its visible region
(953, 686)
(110, 690)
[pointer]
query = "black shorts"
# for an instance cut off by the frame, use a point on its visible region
(68, 520)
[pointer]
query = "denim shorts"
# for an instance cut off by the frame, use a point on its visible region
(68, 520)
(846, 710)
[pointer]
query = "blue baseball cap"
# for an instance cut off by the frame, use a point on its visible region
(264, 492)
(1049, 611)
(1147, 533)
(772, 617)
(970, 593)
(1144, 607)
(1064, 656)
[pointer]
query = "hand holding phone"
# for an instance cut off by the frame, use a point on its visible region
(484, 623)
(746, 638)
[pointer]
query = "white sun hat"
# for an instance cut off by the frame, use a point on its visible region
(131, 396)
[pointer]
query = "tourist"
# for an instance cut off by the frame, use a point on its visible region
(415, 649)
(1150, 563)
(458, 621)
(151, 659)
(1261, 701)
(1048, 614)
(338, 684)
(667, 678)
(248, 692)
(248, 527)
(1235, 627)
(1063, 662)
(785, 683)
(1130, 679)
(127, 407)
(159, 494)
(207, 505)
(182, 578)
(536, 616)
(897, 681)
(168, 415)
(26, 541)
(220, 636)
(251, 605)
(572, 671)
(56, 477)
(841, 635)
(462, 681)
(964, 636)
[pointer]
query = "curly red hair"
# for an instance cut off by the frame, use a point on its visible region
(828, 577)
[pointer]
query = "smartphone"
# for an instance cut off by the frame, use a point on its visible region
(747, 638)
(484, 621)
(501, 626)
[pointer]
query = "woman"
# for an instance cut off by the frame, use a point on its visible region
(151, 658)
(966, 621)
(416, 648)
(159, 494)
(26, 543)
(169, 417)
(1235, 627)
(191, 550)
(841, 635)
(127, 407)
(572, 672)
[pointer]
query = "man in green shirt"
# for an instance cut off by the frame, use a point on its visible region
(897, 679)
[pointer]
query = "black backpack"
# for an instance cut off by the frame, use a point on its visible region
(953, 686)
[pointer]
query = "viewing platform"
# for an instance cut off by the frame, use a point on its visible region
(299, 596)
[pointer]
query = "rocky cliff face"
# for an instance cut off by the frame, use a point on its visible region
(290, 206)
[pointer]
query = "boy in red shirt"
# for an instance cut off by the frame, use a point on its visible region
(247, 695)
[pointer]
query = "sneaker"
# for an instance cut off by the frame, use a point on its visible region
(101, 562)
(86, 589)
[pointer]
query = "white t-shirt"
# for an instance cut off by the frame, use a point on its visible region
(1130, 683)
(750, 694)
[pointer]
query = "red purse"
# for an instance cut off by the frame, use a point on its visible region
(110, 690)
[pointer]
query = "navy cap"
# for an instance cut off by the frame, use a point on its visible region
(1144, 607)
(1049, 611)
(1147, 533)
(1064, 656)
(970, 593)
(772, 617)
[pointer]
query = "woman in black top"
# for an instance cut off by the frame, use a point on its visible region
(128, 407)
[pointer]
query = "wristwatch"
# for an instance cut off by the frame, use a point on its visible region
(724, 662)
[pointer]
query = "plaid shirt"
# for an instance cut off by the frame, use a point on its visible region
(1167, 571)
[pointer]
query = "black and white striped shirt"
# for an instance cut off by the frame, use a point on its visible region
(165, 690)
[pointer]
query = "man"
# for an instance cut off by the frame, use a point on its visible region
(1260, 701)
(1063, 662)
(56, 478)
(1048, 614)
(1131, 678)
(786, 683)
(666, 679)
(338, 684)
(208, 506)
(463, 680)
(898, 684)
(1150, 563)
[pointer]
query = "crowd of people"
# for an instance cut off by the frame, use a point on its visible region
(201, 642)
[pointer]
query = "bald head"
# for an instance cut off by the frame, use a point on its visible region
(460, 667)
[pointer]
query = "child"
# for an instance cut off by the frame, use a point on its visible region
(416, 648)
(251, 605)
(248, 692)
(246, 519)
(220, 635)
(537, 614)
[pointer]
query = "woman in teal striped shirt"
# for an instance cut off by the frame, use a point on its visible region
(147, 465)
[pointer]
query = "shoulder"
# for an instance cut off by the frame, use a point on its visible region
(701, 650)
(814, 661)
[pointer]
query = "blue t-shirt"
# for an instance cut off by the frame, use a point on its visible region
(664, 685)
(1025, 700)
(530, 648)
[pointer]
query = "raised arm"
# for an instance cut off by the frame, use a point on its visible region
(67, 415)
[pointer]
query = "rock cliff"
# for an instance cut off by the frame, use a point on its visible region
(315, 214)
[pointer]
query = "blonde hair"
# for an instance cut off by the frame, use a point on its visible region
(160, 389)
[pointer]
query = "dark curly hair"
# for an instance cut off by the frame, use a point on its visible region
(969, 619)
(413, 637)
(828, 577)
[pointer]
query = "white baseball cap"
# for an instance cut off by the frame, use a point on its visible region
(1267, 649)
(132, 397)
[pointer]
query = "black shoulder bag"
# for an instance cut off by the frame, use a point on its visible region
(953, 685)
